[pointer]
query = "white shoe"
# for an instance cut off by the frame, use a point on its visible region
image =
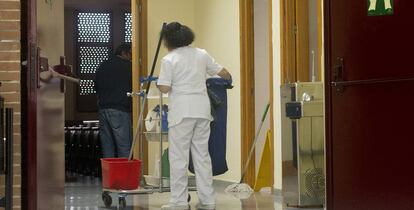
(201, 206)
(175, 207)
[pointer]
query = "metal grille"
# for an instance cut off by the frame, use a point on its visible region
(91, 58)
(315, 183)
(94, 27)
(87, 87)
(93, 46)
(128, 27)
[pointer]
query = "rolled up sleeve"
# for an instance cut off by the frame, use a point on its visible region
(213, 67)
(165, 77)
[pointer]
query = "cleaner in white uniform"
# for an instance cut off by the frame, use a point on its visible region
(183, 75)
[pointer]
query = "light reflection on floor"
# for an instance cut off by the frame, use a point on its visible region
(86, 194)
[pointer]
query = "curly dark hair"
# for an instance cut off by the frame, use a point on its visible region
(176, 35)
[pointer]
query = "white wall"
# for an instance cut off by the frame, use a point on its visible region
(276, 90)
(313, 38)
(217, 30)
(160, 11)
(216, 26)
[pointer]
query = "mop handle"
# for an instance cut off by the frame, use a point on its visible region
(138, 127)
(154, 63)
(265, 113)
(254, 143)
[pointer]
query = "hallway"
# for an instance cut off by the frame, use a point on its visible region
(86, 194)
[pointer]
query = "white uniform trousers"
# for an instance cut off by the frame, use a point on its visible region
(190, 133)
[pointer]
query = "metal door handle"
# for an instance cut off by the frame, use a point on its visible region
(338, 74)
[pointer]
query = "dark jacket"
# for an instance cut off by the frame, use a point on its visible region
(112, 82)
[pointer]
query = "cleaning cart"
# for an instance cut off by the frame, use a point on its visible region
(123, 176)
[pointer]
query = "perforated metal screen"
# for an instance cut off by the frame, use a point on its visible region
(94, 42)
(128, 27)
(94, 45)
(87, 87)
(94, 27)
(91, 58)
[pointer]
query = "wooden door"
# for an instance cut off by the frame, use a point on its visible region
(370, 84)
(301, 30)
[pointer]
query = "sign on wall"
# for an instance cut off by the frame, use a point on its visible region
(380, 7)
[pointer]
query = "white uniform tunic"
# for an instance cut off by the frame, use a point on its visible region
(184, 70)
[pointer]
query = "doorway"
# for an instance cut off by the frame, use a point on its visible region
(225, 53)
(93, 31)
(85, 33)
(302, 103)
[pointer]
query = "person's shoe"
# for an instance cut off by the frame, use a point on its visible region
(389, 11)
(175, 207)
(201, 206)
(372, 12)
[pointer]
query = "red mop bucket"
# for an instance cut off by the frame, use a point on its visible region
(120, 173)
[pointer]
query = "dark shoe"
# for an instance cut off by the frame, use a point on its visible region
(389, 11)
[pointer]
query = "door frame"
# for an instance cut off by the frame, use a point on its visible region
(247, 84)
(139, 11)
(328, 109)
(294, 32)
(30, 53)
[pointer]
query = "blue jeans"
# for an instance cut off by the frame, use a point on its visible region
(115, 132)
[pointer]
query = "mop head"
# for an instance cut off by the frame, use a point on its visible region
(239, 190)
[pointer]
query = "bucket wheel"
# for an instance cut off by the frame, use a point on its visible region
(107, 199)
(122, 202)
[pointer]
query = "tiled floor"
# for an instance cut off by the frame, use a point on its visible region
(86, 194)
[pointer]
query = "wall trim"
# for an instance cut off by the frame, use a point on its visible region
(139, 11)
(247, 98)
